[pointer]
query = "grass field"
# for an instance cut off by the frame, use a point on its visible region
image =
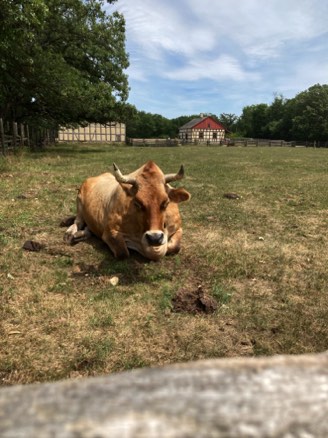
(262, 257)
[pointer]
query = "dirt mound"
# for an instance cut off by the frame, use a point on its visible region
(231, 195)
(32, 245)
(193, 301)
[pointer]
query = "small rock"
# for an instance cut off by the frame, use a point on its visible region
(114, 281)
(76, 270)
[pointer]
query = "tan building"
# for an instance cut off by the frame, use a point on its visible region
(202, 130)
(94, 133)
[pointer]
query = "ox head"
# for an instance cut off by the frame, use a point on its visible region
(153, 205)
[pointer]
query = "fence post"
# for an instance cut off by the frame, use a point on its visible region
(14, 135)
(22, 134)
(2, 133)
(28, 136)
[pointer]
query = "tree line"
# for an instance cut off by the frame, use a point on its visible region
(304, 117)
(63, 63)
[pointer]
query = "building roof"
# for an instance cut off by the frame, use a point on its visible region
(198, 120)
(192, 123)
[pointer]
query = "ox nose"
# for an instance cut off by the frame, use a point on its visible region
(155, 238)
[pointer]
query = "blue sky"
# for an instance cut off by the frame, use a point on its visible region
(217, 56)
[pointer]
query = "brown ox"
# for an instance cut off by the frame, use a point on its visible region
(138, 211)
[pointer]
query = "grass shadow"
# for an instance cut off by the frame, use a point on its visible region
(130, 270)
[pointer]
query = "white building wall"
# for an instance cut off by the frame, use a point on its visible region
(95, 132)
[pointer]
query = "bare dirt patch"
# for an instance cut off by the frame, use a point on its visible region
(193, 301)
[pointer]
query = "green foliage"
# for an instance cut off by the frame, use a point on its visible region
(304, 117)
(229, 121)
(71, 58)
(309, 114)
(253, 121)
(147, 125)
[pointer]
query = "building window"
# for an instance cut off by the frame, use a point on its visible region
(215, 136)
(201, 135)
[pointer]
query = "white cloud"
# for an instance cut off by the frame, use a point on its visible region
(261, 29)
(221, 68)
(249, 49)
(159, 27)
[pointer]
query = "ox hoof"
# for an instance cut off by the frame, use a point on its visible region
(70, 233)
(79, 236)
(76, 236)
(68, 238)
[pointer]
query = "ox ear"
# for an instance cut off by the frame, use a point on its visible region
(179, 195)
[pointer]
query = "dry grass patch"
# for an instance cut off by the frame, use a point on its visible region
(261, 257)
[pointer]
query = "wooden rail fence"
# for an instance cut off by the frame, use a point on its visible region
(274, 143)
(14, 136)
(260, 142)
(153, 141)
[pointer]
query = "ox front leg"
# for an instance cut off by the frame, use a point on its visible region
(116, 243)
(77, 232)
(174, 243)
(74, 235)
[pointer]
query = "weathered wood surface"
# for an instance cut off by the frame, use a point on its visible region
(283, 396)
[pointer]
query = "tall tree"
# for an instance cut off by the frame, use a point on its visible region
(253, 120)
(229, 121)
(62, 62)
(309, 114)
(277, 126)
(21, 23)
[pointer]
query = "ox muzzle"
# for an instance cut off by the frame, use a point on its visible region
(154, 244)
(155, 238)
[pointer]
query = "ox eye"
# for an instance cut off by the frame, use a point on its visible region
(139, 205)
(164, 204)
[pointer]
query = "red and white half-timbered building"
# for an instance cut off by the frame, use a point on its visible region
(202, 130)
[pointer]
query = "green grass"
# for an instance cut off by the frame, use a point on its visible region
(263, 257)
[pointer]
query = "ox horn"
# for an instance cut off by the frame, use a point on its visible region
(123, 179)
(175, 176)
